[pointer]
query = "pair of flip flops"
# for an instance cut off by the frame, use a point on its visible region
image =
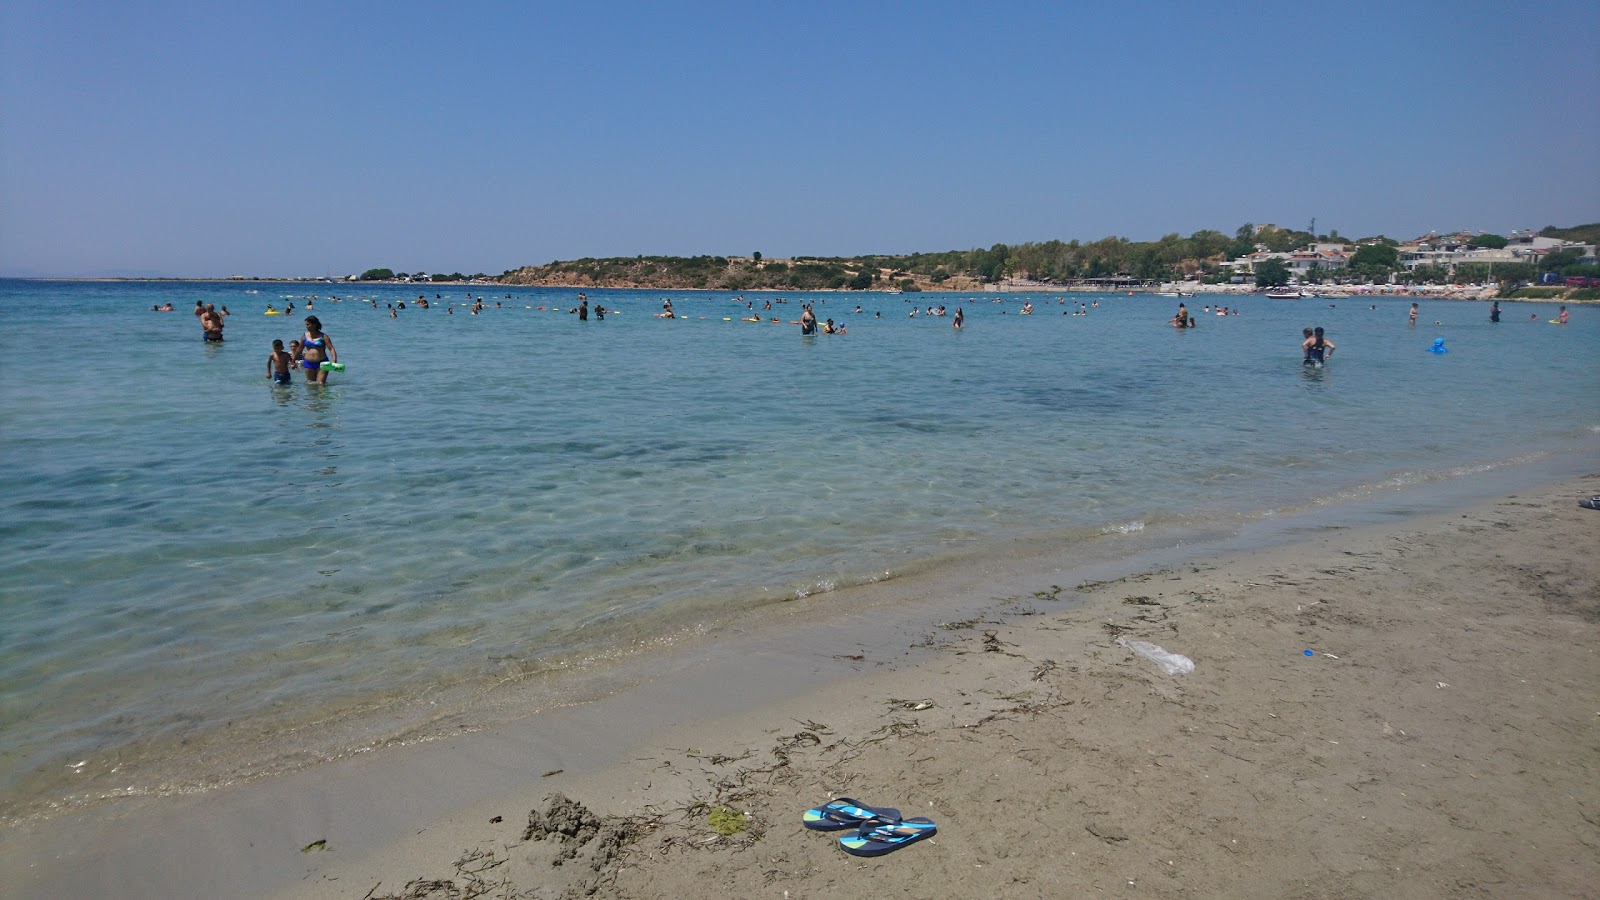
(876, 830)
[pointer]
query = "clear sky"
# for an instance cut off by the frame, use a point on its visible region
(309, 138)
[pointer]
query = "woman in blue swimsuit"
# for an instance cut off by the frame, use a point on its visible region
(315, 347)
(1317, 348)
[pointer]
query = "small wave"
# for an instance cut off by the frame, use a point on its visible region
(1406, 479)
(1133, 527)
(822, 587)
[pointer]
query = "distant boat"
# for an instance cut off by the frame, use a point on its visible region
(1284, 294)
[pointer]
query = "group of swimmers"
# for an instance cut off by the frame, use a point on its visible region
(307, 354)
(1183, 320)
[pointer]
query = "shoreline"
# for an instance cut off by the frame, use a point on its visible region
(260, 749)
(1432, 292)
(232, 841)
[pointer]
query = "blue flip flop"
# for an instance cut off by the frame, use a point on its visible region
(878, 840)
(847, 813)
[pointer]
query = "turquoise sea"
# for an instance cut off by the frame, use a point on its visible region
(191, 557)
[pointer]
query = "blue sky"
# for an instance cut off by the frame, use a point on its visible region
(299, 138)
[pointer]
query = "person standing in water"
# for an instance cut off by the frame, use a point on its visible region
(315, 348)
(1413, 315)
(278, 364)
(808, 321)
(1317, 348)
(960, 319)
(1494, 311)
(211, 323)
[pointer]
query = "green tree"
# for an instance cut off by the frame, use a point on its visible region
(756, 256)
(1556, 260)
(1144, 262)
(990, 265)
(1272, 273)
(1279, 240)
(861, 282)
(1488, 242)
(1207, 244)
(1427, 275)
(377, 275)
(1375, 255)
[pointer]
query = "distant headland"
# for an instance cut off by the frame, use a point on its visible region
(1254, 256)
(1554, 262)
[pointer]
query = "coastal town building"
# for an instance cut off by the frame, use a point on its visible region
(1321, 257)
(1448, 251)
(1432, 249)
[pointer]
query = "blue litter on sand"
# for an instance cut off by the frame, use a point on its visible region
(1311, 653)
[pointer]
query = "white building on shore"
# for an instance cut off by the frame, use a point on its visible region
(1449, 251)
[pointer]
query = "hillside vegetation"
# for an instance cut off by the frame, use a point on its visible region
(1054, 261)
(1584, 234)
(1200, 255)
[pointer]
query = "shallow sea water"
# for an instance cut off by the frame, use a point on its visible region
(188, 549)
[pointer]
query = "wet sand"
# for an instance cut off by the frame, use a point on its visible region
(1440, 741)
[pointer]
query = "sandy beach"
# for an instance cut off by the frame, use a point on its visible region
(1437, 741)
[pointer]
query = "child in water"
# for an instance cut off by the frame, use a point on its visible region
(279, 363)
(1317, 348)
